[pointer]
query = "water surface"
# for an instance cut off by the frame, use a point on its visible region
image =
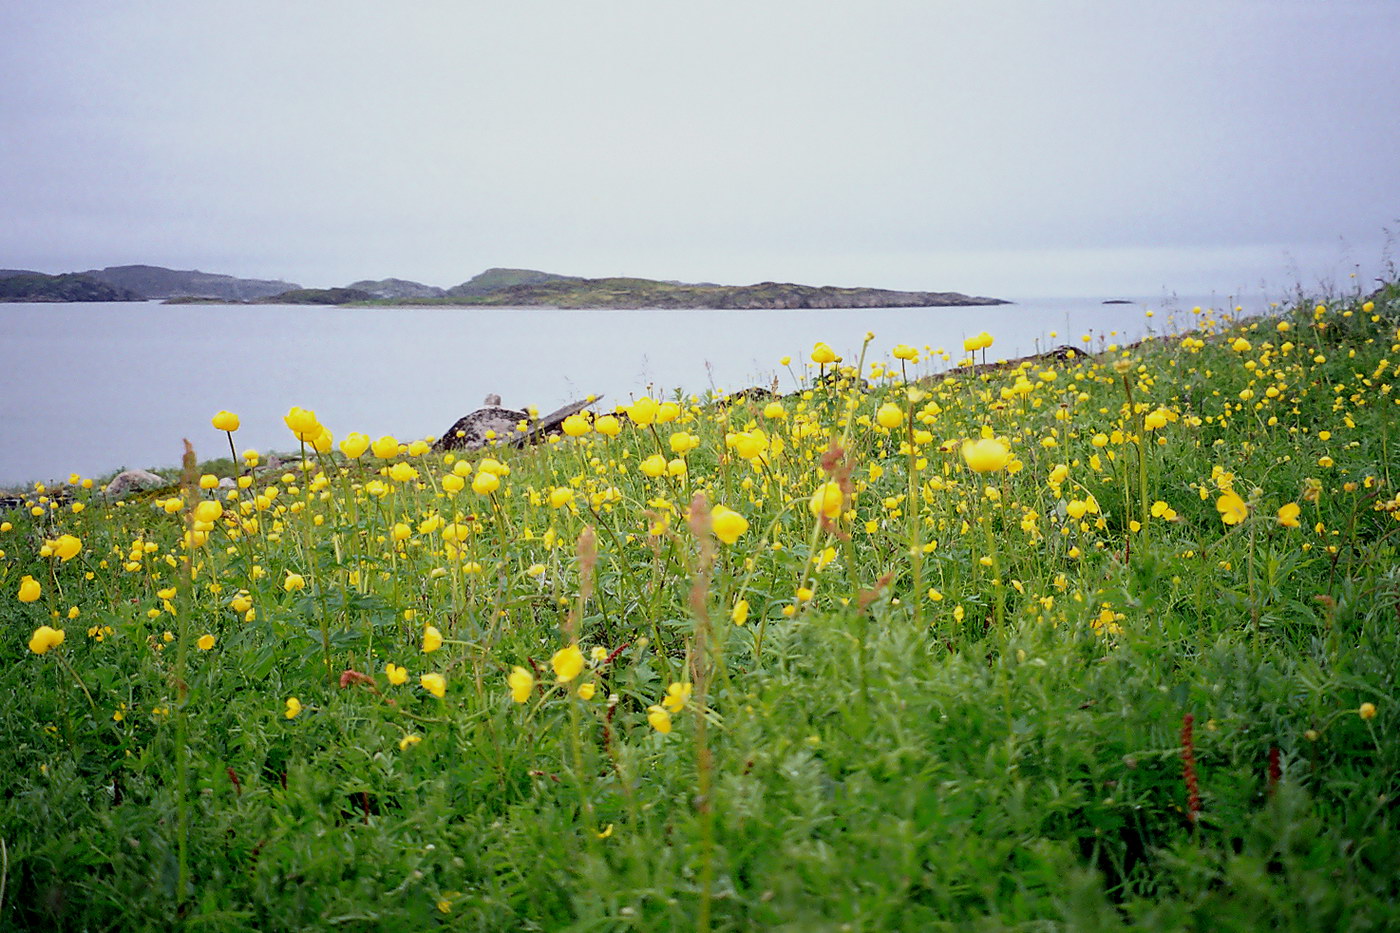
(93, 387)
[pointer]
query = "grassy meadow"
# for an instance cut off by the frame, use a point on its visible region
(1102, 641)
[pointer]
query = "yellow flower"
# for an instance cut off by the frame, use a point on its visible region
(483, 484)
(208, 511)
(728, 524)
(586, 691)
(435, 684)
(67, 547)
(677, 695)
(355, 444)
(823, 354)
(409, 741)
(740, 614)
(986, 455)
(660, 719)
(432, 639)
(1240, 345)
(397, 675)
(747, 444)
(1231, 507)
(205, 642)
(905, 352)
(682, 442)
(45, 638)
(225, 421)
(402, 473)
(642, 411)
(608, 426)
(386, 448)
(293, 708)
(294, 582)
(303, 424)
(889, 415)
(28, 589)
(567, 663)
(1367, 711)
(323, 440)
(521, 683)
(667, 412)
(827, 501)
(1288, 515)
(560, 496)
(577, 425)
(653, 466)
(979, 342)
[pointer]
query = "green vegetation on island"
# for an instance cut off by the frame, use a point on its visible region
(17, 285)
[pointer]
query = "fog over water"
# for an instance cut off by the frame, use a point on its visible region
(89, 388)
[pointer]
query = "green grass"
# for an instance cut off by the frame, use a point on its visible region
(870, 759)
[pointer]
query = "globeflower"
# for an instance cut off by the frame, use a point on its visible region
(577, 425)
(386, 448)
(521, 683)
(67, 547)
(402, 473)
(903, 351)
(986, 455)
(303, 424)
(397, 675)
(740, 613)
(683, 442)
(1288, 515)
(659, 719)
(355, 444)
(45, 638)
(728, 524)
(205, 642)
(434, 683)
(432, 639)
(642, 411)
(567, 663)
(29, 589)
(293, 708)
(483, 484)
(560, 496)
(889, 415)
(294, 582)
(1231, 507)
(822, 354)
(225, 421)
(827, 501)
(608, 426)
(677, 695)
(653, 466)
(208, 511)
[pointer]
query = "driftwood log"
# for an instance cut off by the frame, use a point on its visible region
(506, 426)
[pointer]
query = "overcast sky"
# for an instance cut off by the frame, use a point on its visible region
(1004, 148)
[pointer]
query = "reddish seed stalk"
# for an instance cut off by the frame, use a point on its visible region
(1188, 771)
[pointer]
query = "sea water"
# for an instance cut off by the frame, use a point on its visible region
(94, 387)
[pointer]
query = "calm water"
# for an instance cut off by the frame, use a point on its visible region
(90, 388)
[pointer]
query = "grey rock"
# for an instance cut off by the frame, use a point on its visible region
(129, 481)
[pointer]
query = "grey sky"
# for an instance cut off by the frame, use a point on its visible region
(996, 147)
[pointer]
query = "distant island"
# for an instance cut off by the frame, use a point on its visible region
(492, 288)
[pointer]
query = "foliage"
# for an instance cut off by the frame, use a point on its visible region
(1078, 687)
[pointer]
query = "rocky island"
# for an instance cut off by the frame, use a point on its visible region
(505, 288)
(528, 288)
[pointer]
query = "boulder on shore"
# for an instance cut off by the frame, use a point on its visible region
(129, 481)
